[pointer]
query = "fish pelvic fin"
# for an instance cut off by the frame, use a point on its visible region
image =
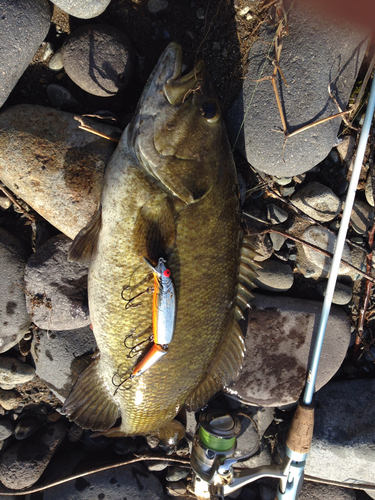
(84, 244)
(226, 364)
(90, 404)
(171, 433)
(155, 229)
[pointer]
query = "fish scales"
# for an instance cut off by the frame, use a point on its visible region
(159, 202)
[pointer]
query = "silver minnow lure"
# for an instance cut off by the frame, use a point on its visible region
(163, 316)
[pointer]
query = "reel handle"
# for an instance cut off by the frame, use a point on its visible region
(301, 429)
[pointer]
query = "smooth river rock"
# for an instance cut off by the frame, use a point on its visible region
(55, 167)
(84, 9)
(23, 27)
(343, 448)
(57, 289)
(98, 58)
(278, 337)
(317, 51)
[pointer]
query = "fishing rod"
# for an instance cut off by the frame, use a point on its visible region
(214, 444)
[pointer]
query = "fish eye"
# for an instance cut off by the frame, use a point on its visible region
(210, 111)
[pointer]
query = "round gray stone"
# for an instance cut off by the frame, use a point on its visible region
(278, 241)
(98, 58)
(60, 358)
(14, 319)
(23, 463)
(9, 400)
(276, 214)
(274, 276)
(317, 201)
(56, 62)
(57, 289)
(361, 217)
(346, 148)
(62, 182)
(278, 338)
(6, 428)
(84, 9)
(23, 27)
(342, 295)
(344, 433)
(317, 51)
(26, 426)
(155, 6)
(13, 372)
(60, 97)
(326, 240)
(132, 482)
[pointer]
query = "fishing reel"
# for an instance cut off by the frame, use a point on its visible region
(212, 461)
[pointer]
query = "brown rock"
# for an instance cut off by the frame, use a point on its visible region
(278, 339)
(9, 400)
(52, 165)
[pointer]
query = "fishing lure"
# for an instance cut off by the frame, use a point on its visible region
(163, 317)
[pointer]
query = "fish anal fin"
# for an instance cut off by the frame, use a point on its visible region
(84, 244)
(90, 404)
(155, 229)
(226, 364)
(171, 433)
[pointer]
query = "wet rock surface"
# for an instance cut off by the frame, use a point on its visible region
(54, 172)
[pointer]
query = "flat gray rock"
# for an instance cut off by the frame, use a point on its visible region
(55, 167)
(84, 9)
(317, 201)
(60, 358)
(23, 463)
(278, 336)
(274, 276)
(317, 51)
(132, 482)
(23, 27)
(57, 289)
(14, 319)
(344, 433)
(98, 58)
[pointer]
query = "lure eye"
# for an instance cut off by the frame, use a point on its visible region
(167, 273)
(210, 111)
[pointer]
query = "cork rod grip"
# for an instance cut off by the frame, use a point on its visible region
(301, 429)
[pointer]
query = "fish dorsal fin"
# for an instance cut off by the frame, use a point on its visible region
(84, 244)
(226, 364)
(155, 229)
(90, 404)
(228, 359)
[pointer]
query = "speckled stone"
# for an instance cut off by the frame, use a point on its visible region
(47, 161)
(132, 482)
(361, 217)
(84, 9)
(274, 276)
(14, 319)
(317, 201)
(61, 286)
(13, 372)
(23, 463)
(342, 295)
(278, 337)
(9, 400)
(368, 190)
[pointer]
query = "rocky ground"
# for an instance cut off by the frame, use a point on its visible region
(293, 190)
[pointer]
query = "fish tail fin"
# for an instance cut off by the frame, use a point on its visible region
(90, 404)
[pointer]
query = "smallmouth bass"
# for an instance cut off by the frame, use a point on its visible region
(170, 191)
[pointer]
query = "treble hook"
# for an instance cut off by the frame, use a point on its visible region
(129, 302)
(119, 386)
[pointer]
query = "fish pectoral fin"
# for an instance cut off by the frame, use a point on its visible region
(90, 404)
(171, 433)
(155, 228)
(84, 244)
(226, 364)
